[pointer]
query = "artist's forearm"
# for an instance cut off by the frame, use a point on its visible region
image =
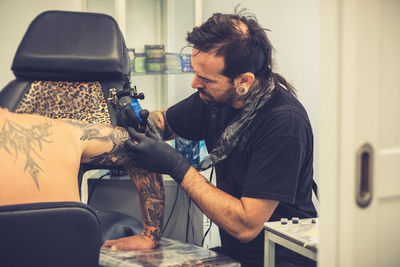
(150, 187)
(226, 211)
(158, 119)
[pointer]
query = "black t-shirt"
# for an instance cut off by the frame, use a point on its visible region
(273, 160)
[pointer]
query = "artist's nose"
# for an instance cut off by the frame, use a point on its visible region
(196, 83)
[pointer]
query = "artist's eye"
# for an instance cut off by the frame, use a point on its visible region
(205, 80)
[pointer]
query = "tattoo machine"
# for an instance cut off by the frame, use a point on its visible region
(128, 95)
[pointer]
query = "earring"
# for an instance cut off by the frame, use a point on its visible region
(241, 90)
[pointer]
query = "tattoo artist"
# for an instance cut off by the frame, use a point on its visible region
(258, 134)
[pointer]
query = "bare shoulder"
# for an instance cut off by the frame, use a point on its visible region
(31, 129)
(102, 144)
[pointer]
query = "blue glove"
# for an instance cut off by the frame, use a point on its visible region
(156, 156)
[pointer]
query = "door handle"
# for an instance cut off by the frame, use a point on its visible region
(364, 175)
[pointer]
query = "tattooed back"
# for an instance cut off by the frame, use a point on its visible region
(39, 159)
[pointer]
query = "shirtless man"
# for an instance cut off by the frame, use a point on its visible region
(40, 158)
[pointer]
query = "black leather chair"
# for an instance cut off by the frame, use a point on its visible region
(75, 47)
(64, 67)
(49, 234)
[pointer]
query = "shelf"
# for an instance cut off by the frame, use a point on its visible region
(159, 73)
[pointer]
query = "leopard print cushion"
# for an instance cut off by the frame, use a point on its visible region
(70, 100)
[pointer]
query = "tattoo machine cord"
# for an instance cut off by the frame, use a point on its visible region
(95, 184)
(173, 207)
(189, 219)
(209, 227)
(204, 237)
(172, 210)
(189, 222)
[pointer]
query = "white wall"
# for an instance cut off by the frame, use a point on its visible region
(15, 17)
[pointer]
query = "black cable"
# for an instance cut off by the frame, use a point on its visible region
(188, 220)
(94, 186)
(191, 222)
(204, 237)
(172, 210)
(208, 230)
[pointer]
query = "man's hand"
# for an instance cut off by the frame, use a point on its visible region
(136, 242)
(126, 117)
(156, 156)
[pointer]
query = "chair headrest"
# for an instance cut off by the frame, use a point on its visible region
(72, 46)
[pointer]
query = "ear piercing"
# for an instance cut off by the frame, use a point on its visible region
(241, 90)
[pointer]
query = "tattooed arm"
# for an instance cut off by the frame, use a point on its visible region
(159, 120)
(104, 145)
(151, 194)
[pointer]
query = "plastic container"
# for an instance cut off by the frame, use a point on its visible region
(155, 65)
(140, 62)
(172, 63)
(186, 63)
(154, 51)
(131, 54)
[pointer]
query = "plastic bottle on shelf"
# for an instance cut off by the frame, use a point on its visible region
(140, 60)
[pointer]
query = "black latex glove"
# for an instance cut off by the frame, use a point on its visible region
(156, 156)
(126, 117)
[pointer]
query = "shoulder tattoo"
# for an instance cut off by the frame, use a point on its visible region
(118, 154)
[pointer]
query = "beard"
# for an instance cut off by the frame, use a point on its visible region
(228, 97)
